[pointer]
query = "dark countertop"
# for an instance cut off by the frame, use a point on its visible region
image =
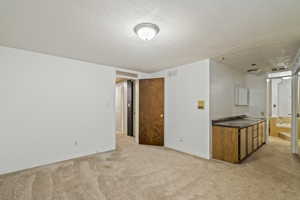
(241, 121)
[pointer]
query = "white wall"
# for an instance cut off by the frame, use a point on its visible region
(285, 98)
(274, 99)
(258, 92)
(119, 100)
(281, 97)
(187, 128)
(223, 80)
(47, 104)
(121, 108)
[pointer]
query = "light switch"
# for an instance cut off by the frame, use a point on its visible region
(201, 104)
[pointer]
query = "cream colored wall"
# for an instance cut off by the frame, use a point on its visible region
(281, 97)
(121, 108)
(223, 81)
(187, 128)
(258, 93)
(53, 109)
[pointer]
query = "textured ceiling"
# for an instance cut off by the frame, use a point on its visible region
(267, 56)
(100, 31)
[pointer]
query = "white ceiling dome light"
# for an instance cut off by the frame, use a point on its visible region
(146, 31)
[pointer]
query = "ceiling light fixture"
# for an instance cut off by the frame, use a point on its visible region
(146, 31)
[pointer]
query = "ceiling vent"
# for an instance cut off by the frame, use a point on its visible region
(254, 70)
(279, 69)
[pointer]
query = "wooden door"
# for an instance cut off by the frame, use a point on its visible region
(130, 108)
(151, 111)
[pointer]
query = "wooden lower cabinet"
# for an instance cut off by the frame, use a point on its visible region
(225, 144)
(249, 140)
(243, 143)
(255, 143)
(261, 134)
(235, 144)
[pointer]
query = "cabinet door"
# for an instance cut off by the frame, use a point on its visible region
(263, 132)
(249, 140)
(255, 143)
(243, 144)
(254, 129)
(260, 134)
(225, 144)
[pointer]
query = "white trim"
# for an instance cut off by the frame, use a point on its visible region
(295, 105)
(127, 77)
(268, 113)
(296, 63)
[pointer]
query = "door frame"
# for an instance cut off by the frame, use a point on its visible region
(130, 107)
(295, 125)
(135, 79)
(295, 102)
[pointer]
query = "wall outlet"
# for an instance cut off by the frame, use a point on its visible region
(180, 139)
(76, 143)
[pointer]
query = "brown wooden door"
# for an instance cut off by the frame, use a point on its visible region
(151, 111)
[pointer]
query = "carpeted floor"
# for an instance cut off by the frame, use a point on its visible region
(137, 172)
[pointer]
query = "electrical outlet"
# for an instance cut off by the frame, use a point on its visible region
(180, 140)
(76, 143)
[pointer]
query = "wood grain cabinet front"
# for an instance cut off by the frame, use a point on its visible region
(242, 143)
(249, 140)
(236, 144)
(261, 134)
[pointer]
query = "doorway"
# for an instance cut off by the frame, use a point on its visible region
(296, 112)
(284, 106)
(124, 106)
(139, 108)
(280, 105)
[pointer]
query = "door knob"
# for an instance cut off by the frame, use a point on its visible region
(161, 115)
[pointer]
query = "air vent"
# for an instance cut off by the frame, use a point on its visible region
(278, 69)
(254, 70)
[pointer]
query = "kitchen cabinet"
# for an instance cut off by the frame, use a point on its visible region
(234, 144)
(243, 143)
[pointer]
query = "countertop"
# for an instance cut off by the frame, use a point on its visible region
(241, 121)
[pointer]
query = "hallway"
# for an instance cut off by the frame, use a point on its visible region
(139, 172)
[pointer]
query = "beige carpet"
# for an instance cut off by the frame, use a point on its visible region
(137, 172)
